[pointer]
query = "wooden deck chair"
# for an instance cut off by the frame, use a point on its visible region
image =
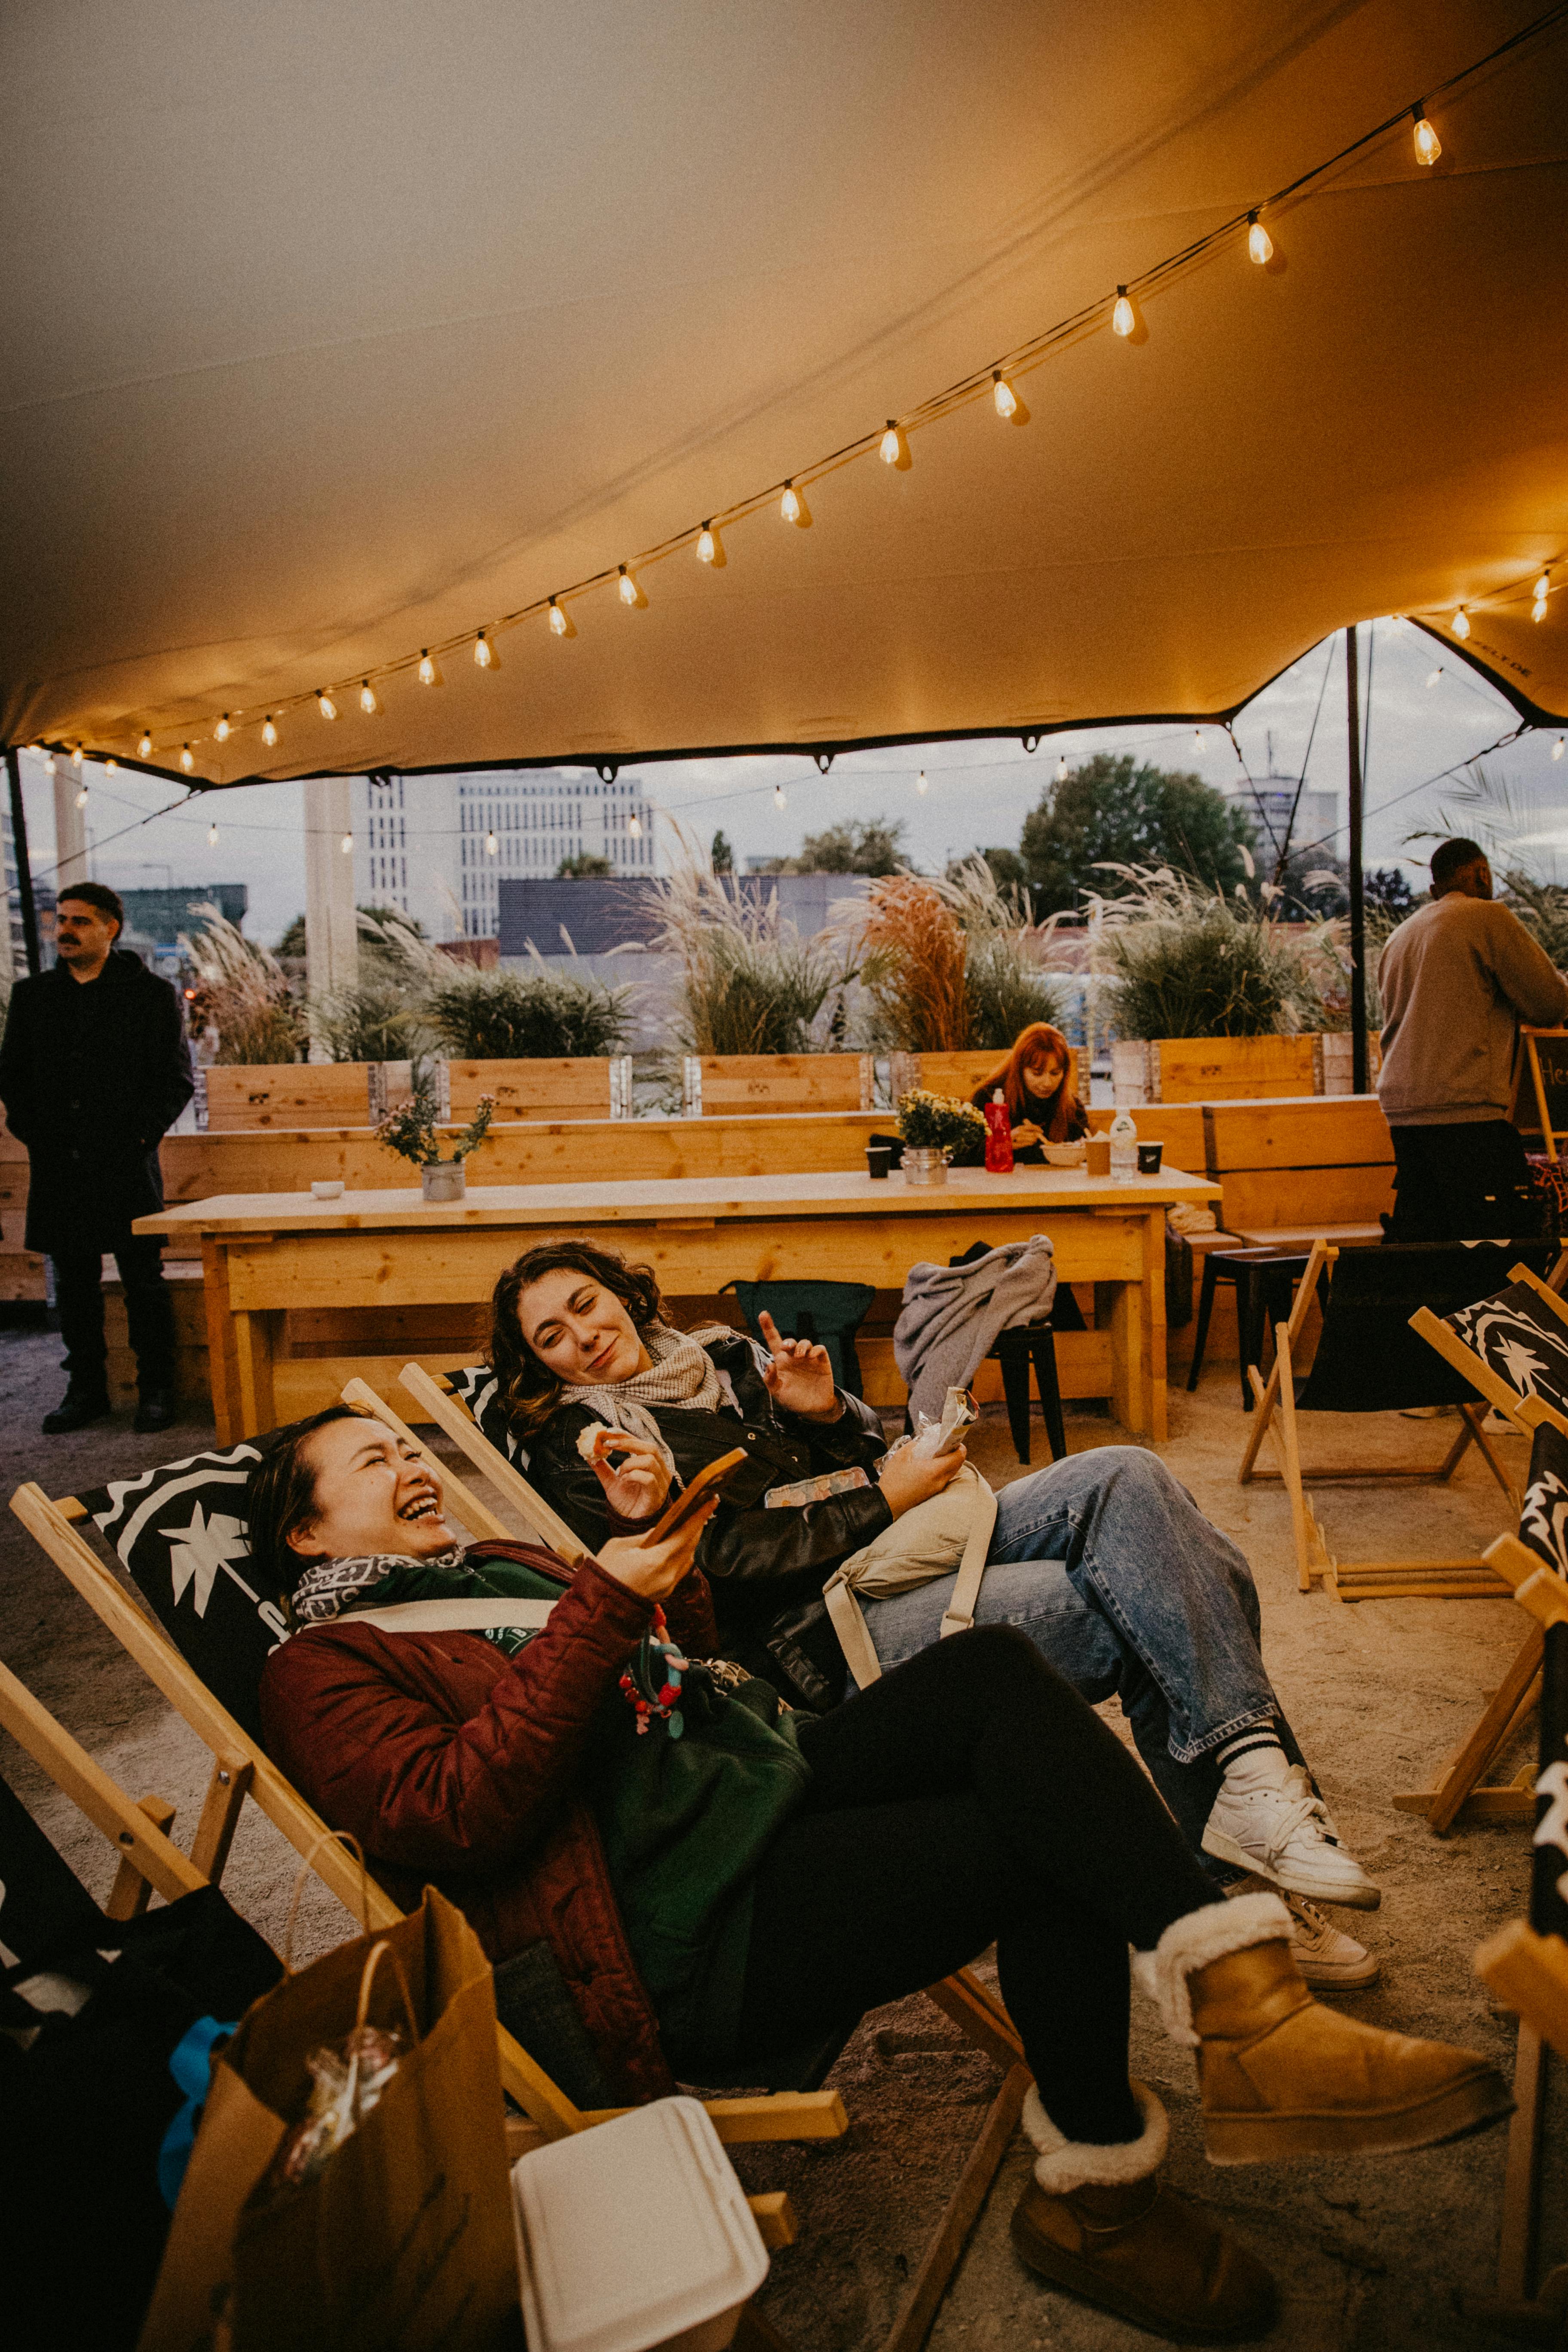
(1526, 1963)
(1369, 1361)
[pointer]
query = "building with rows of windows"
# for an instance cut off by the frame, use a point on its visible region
(438, 847)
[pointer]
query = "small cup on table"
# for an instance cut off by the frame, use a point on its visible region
(1149, 1157)
(1097, 1155)
(878, 1158)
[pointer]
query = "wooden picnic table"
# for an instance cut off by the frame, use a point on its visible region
(265, 1255)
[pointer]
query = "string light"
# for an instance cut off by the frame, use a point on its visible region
(347, 845)
(921, 784)
(76, 754)
(1557, 748)
(1062, 769)
(111, 767)
(429, 669)
(1542, 590)
(81, 797)
(1199, 745)
(48, 763)
(1002, 394)
(222, 730)
(187, 759)
(1428, 146)
(144, 748)
(368, 702)
(269, 731)
(324, 703)
(792, 507)
(1433, 675)
(893, 451)
(708, 546)
(211, 836)
(1259, 243)
(634, 825)
(493, 846)
(1123, 319)
(484, 653)
(1460, 624)
(631, 595)
(779, 800)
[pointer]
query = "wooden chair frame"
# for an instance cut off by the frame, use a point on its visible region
(1468, 1578)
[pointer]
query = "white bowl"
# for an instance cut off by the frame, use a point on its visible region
(329, 1188)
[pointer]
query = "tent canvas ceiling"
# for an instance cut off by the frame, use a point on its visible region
(336, 330)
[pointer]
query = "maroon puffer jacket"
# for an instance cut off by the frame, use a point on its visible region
(451, 1763)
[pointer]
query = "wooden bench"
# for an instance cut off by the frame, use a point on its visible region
(1304, 1168)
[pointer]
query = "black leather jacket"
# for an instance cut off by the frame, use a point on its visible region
(766, 1569)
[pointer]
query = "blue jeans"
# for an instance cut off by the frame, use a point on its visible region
(1120, 1581)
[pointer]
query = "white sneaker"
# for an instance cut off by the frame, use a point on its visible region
(1324, 1954)
(1284, 1834)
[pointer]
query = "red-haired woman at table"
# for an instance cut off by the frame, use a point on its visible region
(1035, 1075)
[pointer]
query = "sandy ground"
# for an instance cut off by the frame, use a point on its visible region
(1367, 2254)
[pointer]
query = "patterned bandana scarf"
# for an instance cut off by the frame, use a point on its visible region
(681, 1374)
(334, 1585)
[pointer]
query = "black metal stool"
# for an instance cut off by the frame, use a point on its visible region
(1264, 1280)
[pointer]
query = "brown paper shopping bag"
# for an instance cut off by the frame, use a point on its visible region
(405, 2239)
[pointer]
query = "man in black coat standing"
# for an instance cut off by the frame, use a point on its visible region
(94, 1069)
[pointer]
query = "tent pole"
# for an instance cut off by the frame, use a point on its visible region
(1358, 895)
(24, 871)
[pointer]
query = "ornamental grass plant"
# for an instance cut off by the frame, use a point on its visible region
(749, 983)
(1178, 960)
(947, 965)
(244, 992)
(500, 1016)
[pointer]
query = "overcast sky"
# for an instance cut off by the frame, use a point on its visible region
(977, 794)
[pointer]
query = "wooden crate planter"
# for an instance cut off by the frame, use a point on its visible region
(1339, 1063)
(581, 1087)
(715, 1084)
(954, 1074)
(234, 1095)
(1214, 1069)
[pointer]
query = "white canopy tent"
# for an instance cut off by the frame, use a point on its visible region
(335, 332)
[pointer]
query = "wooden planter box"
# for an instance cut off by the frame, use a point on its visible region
(234, 1095)
(715, 1084)
(1214, 1069)
(1337, 1060)
(954, 1075)
(566, 1088)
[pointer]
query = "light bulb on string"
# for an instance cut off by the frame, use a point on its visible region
(493, 846)
(1557, 748)
(269, 731)
(324, 703)
(629, 592)
(634, 825)
(792, 507)
(187, 759)
(779, 799)
(1062, 769)
(557, 620)
(429, 672)
(368, 700)
(1002, 394)
(891, 450)
(1460, 624)
(1123, 317)
(1542, 590)
(211, 836)
(346, 846)
(710, 546)
(921, 784)
(81, 797)
(111, 767)
(1259, 243)
(484, 653)
(1428, 146)
(222, 730)
(1434, 675)
(144, 748)
(1199, 745)
(75, 750)
(49, 765)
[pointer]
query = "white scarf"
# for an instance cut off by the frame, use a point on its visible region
(682, 1374)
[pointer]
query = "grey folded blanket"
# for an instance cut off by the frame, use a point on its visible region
(952, 1315)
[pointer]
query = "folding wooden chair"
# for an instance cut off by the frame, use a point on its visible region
(1368, 1361)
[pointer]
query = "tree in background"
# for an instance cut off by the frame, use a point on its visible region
(860, 845)
(1007, 867)
(721, 857)
(1119, 811)
(292, 943)
(587, 867)
(1388, 887)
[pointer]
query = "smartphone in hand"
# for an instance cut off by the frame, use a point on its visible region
(712, 1479)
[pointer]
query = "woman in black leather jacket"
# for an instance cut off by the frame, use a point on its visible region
(768, 1567)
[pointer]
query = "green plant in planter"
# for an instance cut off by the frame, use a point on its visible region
(409, 1128)
(1182, 961)
(929, 1122)
(499, 1016)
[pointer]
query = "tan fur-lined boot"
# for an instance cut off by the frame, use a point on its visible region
(1097, 2220)
(1282, 2077)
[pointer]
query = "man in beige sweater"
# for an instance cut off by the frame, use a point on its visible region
(1457, 979)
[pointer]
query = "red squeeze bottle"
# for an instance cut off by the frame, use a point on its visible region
(998, 1136)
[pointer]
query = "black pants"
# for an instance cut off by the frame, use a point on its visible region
(972, 1797)
(149, 1311)
(1461, 1183)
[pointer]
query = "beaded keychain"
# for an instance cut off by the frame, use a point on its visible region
(656, 1654)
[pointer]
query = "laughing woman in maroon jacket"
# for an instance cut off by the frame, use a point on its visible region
(703, 1879)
